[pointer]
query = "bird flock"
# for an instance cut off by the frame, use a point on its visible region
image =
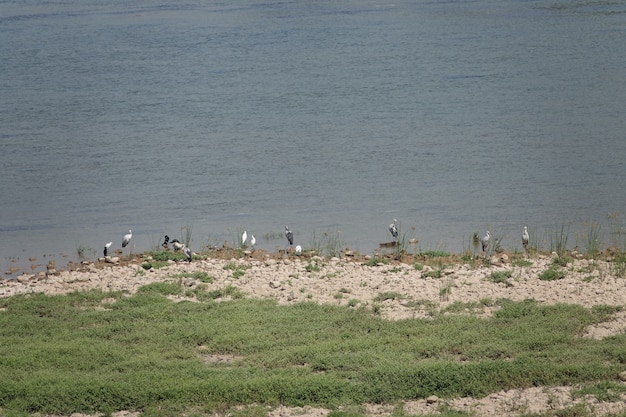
(393, 229)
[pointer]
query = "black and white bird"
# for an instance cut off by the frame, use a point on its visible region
(187, 252)
(525, 237)
(289, 235)
(485, 241)
(166, 241)
(244, 238)
(393, 229)
(177, 245)
(127, 237)
(106, 248)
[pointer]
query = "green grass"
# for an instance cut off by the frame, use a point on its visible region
(67, 354)
(500, 277)
(553, 273)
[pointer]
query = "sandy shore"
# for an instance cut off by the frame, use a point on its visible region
(411, 292)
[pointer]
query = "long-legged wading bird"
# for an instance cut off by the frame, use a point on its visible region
(166, 241)
(244, 238)
(525, 237)
(106, 248)
(393, 229)
(298, 250)
(187, 253)
(485, 241)
(127, 237)
(289, 235)
(177, 245)
(252, 241)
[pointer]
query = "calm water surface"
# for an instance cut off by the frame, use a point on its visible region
(452, 116)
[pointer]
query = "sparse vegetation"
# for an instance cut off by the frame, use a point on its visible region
(435, 273)
(327, 243)
(500, 277)
(238, 269)
(375, 261)
(552, 274)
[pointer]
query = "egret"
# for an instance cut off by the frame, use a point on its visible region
(298, 250)
(106, 248)
(525, 237)
(177, 245)
(252, 241)
(393, 229)
(485, 241)
(166, 241)
(289, 235)
(127, 238)
(244, 237)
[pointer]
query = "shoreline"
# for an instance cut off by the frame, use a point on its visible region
(412, 287)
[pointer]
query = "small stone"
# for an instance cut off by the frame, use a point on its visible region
(24, 278)
(275, 284)
(504, 257)
(433, 399)
(622, 376)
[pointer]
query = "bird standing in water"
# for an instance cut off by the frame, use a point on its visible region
(106, 248)
(485, 241)
(525, 238)
(289, 235)
(393, 229)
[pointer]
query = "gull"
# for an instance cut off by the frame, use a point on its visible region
(106, 248)
(252, 241)
(525, 237)
(166, 241)
(298, 250)
(244, 237)
(485, 241)
(127, 238)
(289, 235)
(393, 229)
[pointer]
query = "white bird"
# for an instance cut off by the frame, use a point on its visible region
(485, 241)
(177, 245)
(252, 241)
(289, 235)
(187, 253)
(298, 250)
(393, 229)
(106, 248)
(244, 237)
(127, 238)
(525, 237)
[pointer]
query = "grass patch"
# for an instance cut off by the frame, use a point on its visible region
(375, 261)
(238, 269)
(500, 277)
(65, 354)
(166, 255)
(435, 273)
(553, 273)
(154, 264)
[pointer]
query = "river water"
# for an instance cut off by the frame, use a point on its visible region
(331, 117)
